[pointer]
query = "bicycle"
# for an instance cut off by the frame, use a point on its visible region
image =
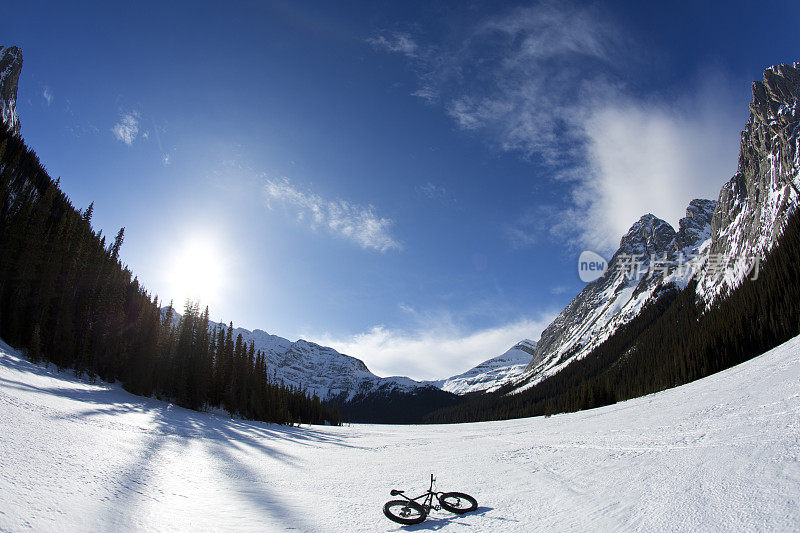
(409, 511)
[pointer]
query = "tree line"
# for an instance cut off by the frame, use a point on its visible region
(66, 298)
(674, 340)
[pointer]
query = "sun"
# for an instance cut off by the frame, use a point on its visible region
(196, 271)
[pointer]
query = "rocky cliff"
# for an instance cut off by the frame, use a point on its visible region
(754, 205)
(10, 68)
(717, 243)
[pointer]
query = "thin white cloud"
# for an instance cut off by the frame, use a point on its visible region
(438, 350)
(406, 308)
(397, 42)
(520, 236)
(521, 77)
(432, 190)
(529, 228)
(47, 94)
(127, 129)
(563, 289)
(358, 224)
(436, 192)
(549, 82)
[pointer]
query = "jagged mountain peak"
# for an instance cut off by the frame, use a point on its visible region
(620, 293)
(526, 345)
(781, 85)
(492, 373)
(755, 203)
(699, 208)
(326, 357)
(316, 368)
(10, 68)
(648, 235)
(695, 226)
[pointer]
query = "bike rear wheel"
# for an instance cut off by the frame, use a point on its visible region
(405, 512)
(458, 502)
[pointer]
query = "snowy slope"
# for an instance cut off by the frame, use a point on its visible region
(493, 373)
(721, 453)
(661, 257)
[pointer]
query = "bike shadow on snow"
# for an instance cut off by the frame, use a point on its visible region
(435, 523)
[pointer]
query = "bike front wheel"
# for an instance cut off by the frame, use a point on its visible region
(458, 502)
(405, 512)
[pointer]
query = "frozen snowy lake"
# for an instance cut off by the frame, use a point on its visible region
(722, 453)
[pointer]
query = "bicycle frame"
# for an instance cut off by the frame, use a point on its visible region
(427, 503)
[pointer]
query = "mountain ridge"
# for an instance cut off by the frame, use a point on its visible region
(317, 369)
(646, 261)
(732, 233)
(491, 374)
(10, 69)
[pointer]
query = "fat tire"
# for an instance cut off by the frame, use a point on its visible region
(458, 510)
(399, 519)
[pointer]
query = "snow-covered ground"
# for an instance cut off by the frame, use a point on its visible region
(722, 453)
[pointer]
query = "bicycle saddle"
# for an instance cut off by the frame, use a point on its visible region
(396, 492)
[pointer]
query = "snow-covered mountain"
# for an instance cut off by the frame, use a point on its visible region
(652, 257)
(330, 374)
(10, 68)
(491, 374)
(319, 369)
(717, 244)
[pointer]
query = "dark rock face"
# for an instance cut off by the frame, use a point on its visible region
(754, 205)
(10, 68)
(694, 227)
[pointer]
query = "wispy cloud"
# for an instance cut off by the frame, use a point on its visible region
(519, 236)
(398, 42)
(438, 350)
(520, 76)
(532, 226)
(550, 82)
(127, 129)
(563, 289)
(47, 94)
(437, 192)
(358, 224)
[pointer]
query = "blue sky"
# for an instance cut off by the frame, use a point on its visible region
(411, 183)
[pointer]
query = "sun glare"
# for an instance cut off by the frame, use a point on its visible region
(196, 272)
